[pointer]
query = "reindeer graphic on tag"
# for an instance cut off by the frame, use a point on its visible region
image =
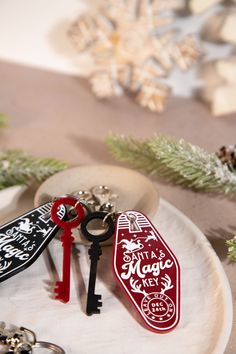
(148, 271)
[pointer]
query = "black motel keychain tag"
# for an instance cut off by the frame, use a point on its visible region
(23, 239)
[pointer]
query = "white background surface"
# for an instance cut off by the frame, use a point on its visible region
(34, 32)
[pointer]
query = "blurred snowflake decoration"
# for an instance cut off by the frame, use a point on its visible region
(133, 48)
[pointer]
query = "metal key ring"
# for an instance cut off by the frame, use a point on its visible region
(67, 201)
(55, 348)
(101, 216)
(26, 343)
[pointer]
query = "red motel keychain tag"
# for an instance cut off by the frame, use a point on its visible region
(148, 271)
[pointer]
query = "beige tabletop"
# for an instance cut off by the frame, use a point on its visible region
(56, 115)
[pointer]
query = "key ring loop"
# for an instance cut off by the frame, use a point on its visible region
(45, 345)
(50, 346)
(35, 344)
(67, 201)
(23, 340)
(101, 216)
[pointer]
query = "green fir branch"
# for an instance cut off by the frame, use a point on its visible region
(231, 244)
(177, 161)
(192, 167)
(18, 168)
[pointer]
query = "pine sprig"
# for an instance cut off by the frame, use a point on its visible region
(18, 168)
(231, 244)
(192, 167)
(177, 161)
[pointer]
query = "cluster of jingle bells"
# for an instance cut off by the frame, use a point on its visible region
(98, 198)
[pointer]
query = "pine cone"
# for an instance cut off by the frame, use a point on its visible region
(227, 155)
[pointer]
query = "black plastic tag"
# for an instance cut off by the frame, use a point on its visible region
(23, 239)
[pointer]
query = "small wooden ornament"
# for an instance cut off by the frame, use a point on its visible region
(219, 85)
(221, 27)
(224, 100)
(148, 271)
(199, 6)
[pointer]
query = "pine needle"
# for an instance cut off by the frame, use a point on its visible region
(18, 168)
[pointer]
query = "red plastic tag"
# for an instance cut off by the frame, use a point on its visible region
(148, 271)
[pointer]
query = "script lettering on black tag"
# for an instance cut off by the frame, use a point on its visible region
(23, 239)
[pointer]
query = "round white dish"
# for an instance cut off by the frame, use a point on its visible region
(206, 302)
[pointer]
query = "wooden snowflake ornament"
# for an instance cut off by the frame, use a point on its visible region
(122, 38)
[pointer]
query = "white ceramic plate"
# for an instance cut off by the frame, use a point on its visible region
(206, 305)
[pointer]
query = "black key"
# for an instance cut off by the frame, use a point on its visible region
(95, 251)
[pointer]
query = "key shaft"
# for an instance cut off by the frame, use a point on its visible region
(62, 288)
(93, 299)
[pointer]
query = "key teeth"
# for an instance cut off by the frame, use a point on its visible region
(58, 287)
(60, 293)
(93, 312)
(98, 300)
(93, 306)
(57, 291)
(99, 304)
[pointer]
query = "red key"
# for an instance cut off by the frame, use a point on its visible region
(62, 289)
